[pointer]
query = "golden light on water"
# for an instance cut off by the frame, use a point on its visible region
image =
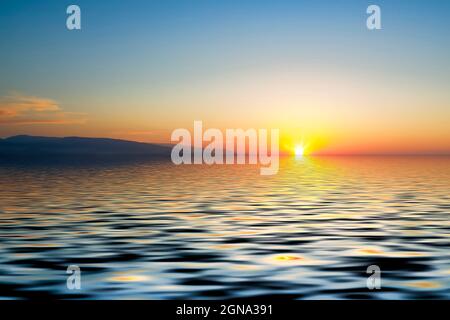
(130, 278)
(287, 258)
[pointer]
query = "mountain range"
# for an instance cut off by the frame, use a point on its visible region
(25, 146)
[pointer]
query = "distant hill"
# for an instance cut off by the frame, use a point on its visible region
(45, 147)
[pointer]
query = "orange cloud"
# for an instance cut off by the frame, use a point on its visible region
(18, 109)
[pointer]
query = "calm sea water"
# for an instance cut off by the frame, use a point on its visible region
(152, 230)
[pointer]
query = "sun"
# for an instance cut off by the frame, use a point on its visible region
(299, 150)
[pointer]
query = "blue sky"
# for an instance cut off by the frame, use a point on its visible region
(166, 60)
(169, 40)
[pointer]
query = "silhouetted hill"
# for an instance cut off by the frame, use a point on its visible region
(45, 147)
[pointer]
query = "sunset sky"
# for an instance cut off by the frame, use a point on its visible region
(140, 69)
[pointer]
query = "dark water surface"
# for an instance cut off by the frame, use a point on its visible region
(152, 230)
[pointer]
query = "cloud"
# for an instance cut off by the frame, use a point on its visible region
(19, 109)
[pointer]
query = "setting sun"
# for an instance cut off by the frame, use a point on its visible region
(299, 150)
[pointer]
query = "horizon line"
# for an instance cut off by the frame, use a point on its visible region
(281, 153)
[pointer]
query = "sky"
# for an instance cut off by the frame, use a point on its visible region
(138, 70)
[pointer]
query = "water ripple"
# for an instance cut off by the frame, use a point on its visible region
(152, 230)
